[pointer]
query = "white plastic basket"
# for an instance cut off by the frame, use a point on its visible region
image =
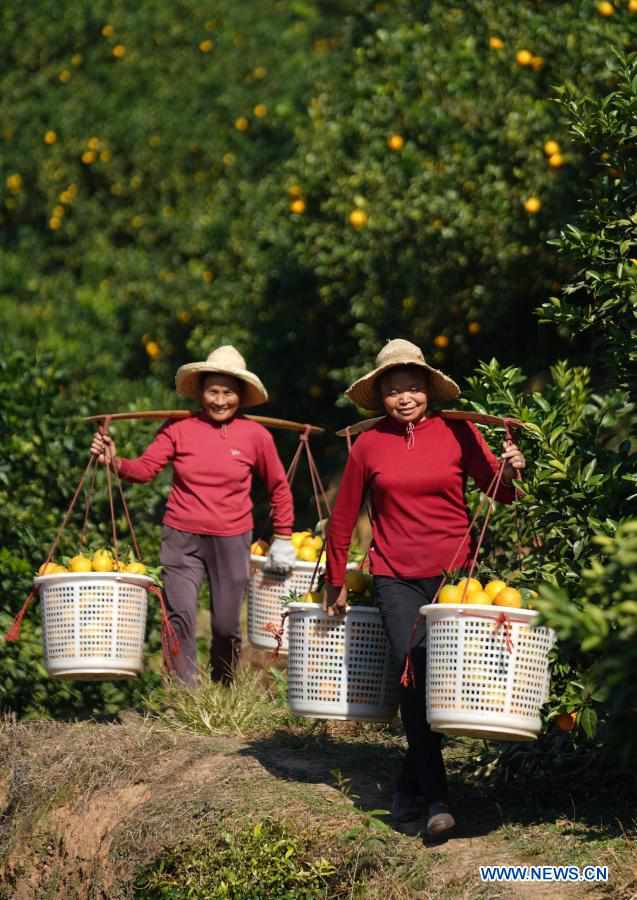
(265, 590)
(94, 624)
(475, 686)
(340, 667)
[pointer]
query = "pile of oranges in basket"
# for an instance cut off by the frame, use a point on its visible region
(101, 560)
(494, 593)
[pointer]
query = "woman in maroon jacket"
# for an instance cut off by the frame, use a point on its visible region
(207, 526)
(413, 465)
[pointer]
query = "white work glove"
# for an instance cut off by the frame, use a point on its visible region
(281, 556)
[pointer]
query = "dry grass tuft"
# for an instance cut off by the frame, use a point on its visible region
(252, 704)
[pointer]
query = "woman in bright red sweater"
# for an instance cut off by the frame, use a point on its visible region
(413, 466)
(207, 527)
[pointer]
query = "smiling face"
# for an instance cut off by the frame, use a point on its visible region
(403, 391)
(220, 396)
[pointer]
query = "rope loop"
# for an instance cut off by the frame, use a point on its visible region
(407, 677)
(277, 632)
(13, 633)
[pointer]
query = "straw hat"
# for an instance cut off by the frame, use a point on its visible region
(400, 353)
(225, 360)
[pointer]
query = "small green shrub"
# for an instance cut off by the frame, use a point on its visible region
(260, 861)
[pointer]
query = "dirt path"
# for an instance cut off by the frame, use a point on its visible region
(85, 806)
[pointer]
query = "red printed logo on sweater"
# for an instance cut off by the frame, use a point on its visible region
(235, 452)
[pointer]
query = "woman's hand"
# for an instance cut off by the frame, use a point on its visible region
(103, 446)
(514, 461)
(334, 600)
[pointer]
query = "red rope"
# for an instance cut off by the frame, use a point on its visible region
(488, 515)
(277, 632)
(68, 512)
(109, 487)
(170, 644)
(13, 634)
(129, 521)
(318, 490)
(501, 621)
(407, 677)
(87, 505)
(317, 485)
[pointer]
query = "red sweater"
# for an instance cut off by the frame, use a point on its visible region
(419, 514)
(212, 474)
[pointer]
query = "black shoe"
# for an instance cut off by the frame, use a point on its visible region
(406, 807)
(439, 820)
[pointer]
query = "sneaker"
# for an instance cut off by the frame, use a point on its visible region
(406, 807)
(439, 820)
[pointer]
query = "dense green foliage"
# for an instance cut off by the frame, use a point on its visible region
(601, 301)
(434, 141)
(306, 182)
(578, 514)
(43, 450)
(129, 139)
(595, 618)
(578, 486)
(175, 177)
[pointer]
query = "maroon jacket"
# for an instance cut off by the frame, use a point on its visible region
(417, 493)
(212, 474)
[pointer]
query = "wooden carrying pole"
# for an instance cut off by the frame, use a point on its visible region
(461, 414)
(162, 414)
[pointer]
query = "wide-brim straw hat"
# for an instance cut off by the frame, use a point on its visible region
(364, 391)
(225, 360)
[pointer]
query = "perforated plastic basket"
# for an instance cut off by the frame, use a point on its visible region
(93, 624)
(475, 686)
(265, 590)
(340, 667)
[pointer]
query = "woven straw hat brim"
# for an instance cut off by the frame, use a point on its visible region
(363, 391)
(187, 382)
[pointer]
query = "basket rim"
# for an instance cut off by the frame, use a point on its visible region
(100, 576)
(463, 611)
(300, 564)
(304, 607)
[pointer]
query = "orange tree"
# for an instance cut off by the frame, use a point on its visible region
(304, 181)
(430, 171)
(579, 525)
(128, 136)
(306, 184)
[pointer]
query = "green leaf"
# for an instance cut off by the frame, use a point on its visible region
(587, 721)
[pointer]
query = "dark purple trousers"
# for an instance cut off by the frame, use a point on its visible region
(423, 770)
(186, 559)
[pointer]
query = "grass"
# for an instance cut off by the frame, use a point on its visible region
(125, 795)
(254, 703)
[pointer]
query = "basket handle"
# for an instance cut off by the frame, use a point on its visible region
(13, 633)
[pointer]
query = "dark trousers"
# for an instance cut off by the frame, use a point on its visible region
(186, 559)
(423, 769)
